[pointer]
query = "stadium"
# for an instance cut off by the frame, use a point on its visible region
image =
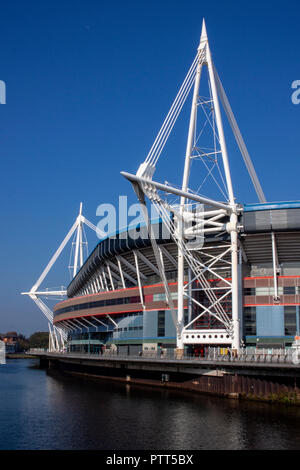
(209, 272)
(117, 299)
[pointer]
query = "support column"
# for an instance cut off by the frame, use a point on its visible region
(186, 174)
(240, 293)
(180, 284)
(275, 266)
(139, 279)
(234, 284)
(190, 303)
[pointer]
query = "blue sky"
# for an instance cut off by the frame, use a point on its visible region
(88, 85)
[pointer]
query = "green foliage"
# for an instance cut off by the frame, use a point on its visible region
(23, 344)
(40, 339)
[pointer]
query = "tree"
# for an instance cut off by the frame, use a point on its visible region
(23, 344)
(40, 339)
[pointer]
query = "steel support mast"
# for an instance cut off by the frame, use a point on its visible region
(205, 55)
(35, 294)
(208, 216)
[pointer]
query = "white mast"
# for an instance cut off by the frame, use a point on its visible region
(221, 219)
(36, 294)
(204, 53)
(186, 174)
(78, 245)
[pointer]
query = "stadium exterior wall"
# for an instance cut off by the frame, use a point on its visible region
(106, 308)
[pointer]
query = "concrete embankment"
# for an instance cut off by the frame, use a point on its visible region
(19, 356)
(263, 382)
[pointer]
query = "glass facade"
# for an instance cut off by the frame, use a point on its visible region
(161, 323)
(264, 316)
(290, 321)
(99, 304)
(265, 320)
(156, 326)
(249, 321)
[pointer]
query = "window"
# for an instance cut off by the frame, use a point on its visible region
(161, 323)
(290, 321)
(268, 291)
(162, 297)
(249, 321)
(289, 290)
(159, 297)
(262, 291)
(249, 291)
(99, 304)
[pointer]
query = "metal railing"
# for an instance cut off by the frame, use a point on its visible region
(270, 355)
(37, 350)
(247, 355)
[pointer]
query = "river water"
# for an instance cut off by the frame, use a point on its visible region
(39, 410)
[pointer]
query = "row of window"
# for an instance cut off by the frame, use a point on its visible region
(130, 328)
(110, 302)
(290, 321)
(89, 335)
(207, 336)
(132, 314)
(249, 322)
(99, 303)
(288, 290)
(86, 348)
(162, 297)
(161, 323)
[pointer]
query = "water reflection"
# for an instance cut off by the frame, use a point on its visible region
(54, 411)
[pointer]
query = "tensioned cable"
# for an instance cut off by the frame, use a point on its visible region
(171, 123)
(196, 265)
(188, 77)
(175, 110)
(152, 158)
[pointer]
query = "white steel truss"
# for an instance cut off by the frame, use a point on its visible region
(58, 335)
(212, 287)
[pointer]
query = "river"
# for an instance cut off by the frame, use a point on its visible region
(41, 410)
